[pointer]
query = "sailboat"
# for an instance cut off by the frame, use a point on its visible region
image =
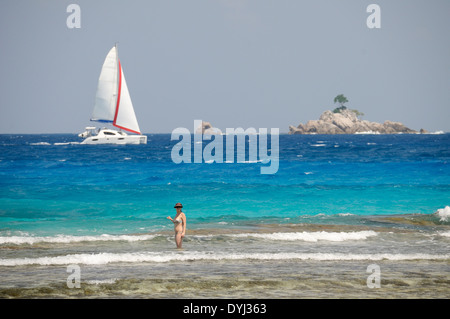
(113, 105)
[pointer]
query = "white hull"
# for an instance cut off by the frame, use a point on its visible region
(107, 136)
(116, 140)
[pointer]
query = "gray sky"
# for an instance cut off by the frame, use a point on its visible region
(234, 63)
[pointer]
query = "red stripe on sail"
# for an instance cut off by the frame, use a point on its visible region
(127, 129)
(118, 102)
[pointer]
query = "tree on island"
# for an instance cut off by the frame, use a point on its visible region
(341, 99)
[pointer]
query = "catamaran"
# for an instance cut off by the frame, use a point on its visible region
(113, 105)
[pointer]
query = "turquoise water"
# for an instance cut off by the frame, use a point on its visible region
(52, 185)
(335, 198)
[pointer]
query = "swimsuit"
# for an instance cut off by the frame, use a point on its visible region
(178, 221)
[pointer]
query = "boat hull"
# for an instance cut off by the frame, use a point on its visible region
(113, 137)
(138, 139)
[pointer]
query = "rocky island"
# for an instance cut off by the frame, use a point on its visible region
(207, 129)
(346, 121)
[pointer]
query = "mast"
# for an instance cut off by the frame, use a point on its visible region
(119, 85)
(118, 82)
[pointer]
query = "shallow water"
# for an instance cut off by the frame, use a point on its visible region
(242, 279)
(264, 261)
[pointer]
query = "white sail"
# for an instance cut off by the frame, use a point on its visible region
(125, 118)
(112, 100)
(106, 96)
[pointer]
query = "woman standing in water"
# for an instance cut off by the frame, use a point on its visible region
(179, 224)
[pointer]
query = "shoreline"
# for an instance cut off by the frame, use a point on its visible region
(223, 263)
(270, 224)
(292, 280)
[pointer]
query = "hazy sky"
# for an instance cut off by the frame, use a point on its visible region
(234, 63)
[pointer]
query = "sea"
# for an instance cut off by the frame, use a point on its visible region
(344, 216)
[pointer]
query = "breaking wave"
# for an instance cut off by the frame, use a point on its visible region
(67, 239)
(139, 257)
(313, 236)
(284, 236)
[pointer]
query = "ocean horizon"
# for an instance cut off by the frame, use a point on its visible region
(336, 205)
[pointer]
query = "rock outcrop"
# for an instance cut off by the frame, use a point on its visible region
(207, 129)
(347, 122)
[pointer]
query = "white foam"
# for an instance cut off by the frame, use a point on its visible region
(444, 234)
(67, 239)
(102, 282)
(444, 213)
(67, 143)
(40, 143)
(368, 132)
(312, 236)
(250, 162)
(139, 257)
